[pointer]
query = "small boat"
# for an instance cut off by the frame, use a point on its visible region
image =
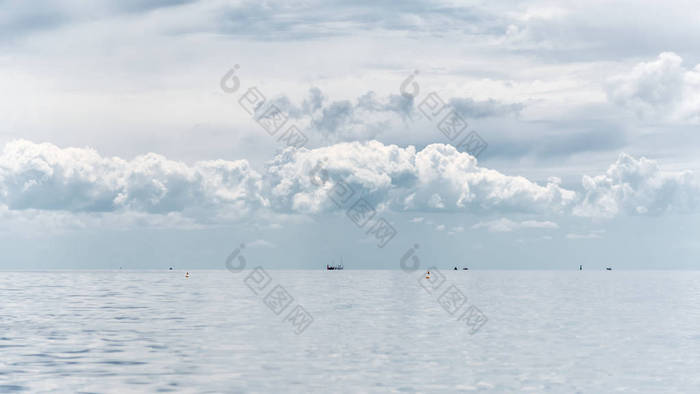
(608, 269)
(187, 274)
(335, 267)
(465, 269)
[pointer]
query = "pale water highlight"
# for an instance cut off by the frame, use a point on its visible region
(372, 331)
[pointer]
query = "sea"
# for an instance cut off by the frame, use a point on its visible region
(350, 331)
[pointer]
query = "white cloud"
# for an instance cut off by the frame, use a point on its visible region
(662, 87)
(437, 178)
(440, 227)
(505, 225)
(46, 177)
(261, 243)
(538, 224)
(595, 234)
(637, 187)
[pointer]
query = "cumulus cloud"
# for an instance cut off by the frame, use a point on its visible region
(437, 178)
(505, 225)
(662, 87)
(46, 177)
(637, 187)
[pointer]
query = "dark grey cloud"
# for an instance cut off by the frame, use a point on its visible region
(587, 31)
(20, 18)
(371, 116)
(147, 5)
(554, 140)
(271, 20)
(561, 33)
(471, 108)
(284, 21)
(397, 119)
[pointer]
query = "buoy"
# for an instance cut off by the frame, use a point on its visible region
(187, 275)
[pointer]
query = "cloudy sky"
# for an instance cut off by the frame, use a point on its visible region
(137, 134)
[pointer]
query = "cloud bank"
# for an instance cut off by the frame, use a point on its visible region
(46, 177)
(505, 225)
(437, 178)
(661, 88)
(637, 187)
(371, 116)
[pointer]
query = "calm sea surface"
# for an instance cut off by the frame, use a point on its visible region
(372, 331)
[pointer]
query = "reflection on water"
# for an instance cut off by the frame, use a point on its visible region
(373, 331)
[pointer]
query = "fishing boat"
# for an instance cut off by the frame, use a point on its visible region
(334, 267)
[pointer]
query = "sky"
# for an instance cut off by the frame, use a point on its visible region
(480, 134)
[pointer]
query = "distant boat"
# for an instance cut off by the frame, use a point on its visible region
(608, 269)
(335, 267)
(465, 269)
